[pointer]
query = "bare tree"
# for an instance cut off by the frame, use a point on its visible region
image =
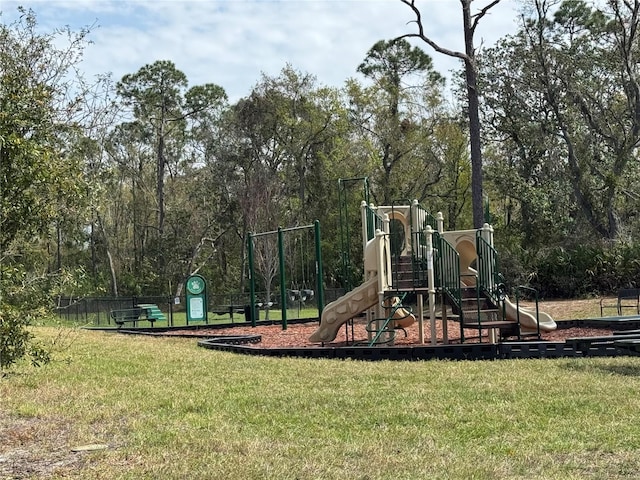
(470, 23)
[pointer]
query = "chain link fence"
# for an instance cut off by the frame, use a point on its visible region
(222, 308)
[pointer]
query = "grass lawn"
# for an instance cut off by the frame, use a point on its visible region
(167, 409)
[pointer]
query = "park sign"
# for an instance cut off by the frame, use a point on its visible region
(196, 299)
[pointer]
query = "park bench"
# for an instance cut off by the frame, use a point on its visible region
(627, 298)
(240, 309)
(228, 309)
(144, 311)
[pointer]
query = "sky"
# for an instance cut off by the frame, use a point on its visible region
(233, 42)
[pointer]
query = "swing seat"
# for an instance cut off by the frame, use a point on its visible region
(293, 295)
(301, 295)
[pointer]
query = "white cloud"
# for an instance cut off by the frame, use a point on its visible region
(231, 42)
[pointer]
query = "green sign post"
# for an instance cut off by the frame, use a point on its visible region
(196, 299)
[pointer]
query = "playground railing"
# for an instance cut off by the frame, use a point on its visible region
(519, 291)
(420, 220)
(447, 265)
(488, 268)
(372, 220)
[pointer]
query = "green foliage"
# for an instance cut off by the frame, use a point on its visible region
(562, 109)
(166, 207)
(41, 184)
(575, 271)
(21, 305)
(388, 61)
(36, 179)
(394, 125)
(16, 340)
(135, 207)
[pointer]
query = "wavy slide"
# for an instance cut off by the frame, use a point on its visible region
(528, 318)
(348, 306)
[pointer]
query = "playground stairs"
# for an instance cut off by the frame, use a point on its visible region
(407, 275)
(478, 312)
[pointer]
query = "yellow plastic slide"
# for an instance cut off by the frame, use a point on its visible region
(348, 306)
(528, 318)
(402, 317)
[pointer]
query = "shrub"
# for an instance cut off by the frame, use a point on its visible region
(578, 271)
(16, 341)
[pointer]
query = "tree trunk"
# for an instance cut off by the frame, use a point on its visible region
(112, 268)
(471, 76)
(160, 167)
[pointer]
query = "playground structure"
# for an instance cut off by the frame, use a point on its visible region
(407, 258)
(407, 252)
(408, 261)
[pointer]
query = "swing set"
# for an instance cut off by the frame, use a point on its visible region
(300, 291)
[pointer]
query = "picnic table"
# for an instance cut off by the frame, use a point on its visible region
(143, 311)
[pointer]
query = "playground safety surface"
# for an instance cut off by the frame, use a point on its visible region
(297, 334)
(574, 338)
(606, 336)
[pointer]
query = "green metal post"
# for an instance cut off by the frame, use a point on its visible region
(319, 273)
(252, 280)
(345, 238)
(283, 280)
(345, 234)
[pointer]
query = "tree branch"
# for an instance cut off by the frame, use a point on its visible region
(482, 13)
(421, 35)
